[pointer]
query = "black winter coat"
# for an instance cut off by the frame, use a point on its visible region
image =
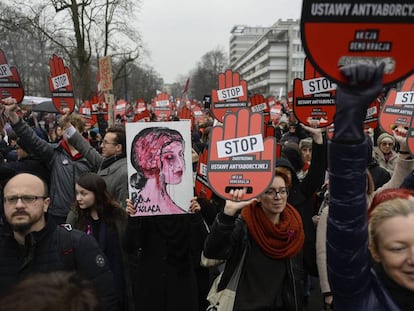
(227, 240)
(42, 253)
(167, 251)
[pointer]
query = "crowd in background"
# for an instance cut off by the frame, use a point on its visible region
(155, 261)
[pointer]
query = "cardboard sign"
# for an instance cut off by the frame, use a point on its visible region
(231, 95)
(199, 115)
(185, 113)
(60, 85)
(207, 101)
(10, 83)
(85, 111)
(121, 107)
(275, 109)
(397, 109)
(270, 131)
(239, 156)
(314, 97)
(202, 188)
(372, 116)
(336, 33)
(162, 107)
(105, 73)
(160, 167)
(410, 136)
(259, 104)
(140, 106)
(143, 116)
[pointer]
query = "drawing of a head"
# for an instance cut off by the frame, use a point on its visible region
(159, 151)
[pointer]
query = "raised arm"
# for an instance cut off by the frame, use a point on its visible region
(28, 139)
(348, 257)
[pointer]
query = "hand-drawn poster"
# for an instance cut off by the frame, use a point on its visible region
(160, 167)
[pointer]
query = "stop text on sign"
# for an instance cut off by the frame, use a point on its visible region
(5, 71)
(404, 98)
(60, 81)
(229, 93)
(317, 85)
(240, 145)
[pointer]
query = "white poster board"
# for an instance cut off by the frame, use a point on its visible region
(160, 167)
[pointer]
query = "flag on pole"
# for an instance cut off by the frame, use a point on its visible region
(187, 84)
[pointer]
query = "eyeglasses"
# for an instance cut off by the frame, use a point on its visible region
(105, 142)
(26, 199)
(387, 144)
(273, 193)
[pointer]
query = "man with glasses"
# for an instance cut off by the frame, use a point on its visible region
(31, 243)
(111, 164)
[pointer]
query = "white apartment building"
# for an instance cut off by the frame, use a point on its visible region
(268, 58)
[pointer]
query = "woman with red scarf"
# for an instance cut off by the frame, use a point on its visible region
(271, 231)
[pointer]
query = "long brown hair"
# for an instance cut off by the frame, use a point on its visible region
(107, 207)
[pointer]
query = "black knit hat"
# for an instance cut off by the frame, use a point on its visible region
(291, 152)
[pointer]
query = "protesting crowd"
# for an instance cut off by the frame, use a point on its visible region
(334, 225)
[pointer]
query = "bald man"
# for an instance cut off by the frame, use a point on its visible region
(33, 243)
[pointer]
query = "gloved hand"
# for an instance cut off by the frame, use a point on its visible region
(353, 99)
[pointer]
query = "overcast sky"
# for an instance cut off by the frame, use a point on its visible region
(179, 32)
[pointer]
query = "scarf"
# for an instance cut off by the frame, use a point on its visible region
(284, 240)
(108, 161)
(388, 156)
(65, 146)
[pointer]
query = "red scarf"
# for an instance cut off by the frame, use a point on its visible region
(65, 146)
(283, 240)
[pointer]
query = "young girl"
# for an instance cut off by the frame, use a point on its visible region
(97, 213)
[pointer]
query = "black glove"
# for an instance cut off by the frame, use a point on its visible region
(353, 99)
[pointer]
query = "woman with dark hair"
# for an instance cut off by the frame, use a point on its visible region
(157, 154)
(98, 213)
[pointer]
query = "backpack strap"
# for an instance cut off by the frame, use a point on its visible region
(66, 245)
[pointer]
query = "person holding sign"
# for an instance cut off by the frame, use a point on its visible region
(356, 282)
(271, 232)
(166, 236)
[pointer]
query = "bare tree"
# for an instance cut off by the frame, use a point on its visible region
(26, 49)
(138, 82)
(82, 31)
(204, 76)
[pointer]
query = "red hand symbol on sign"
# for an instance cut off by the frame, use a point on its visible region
(252, 169)
(394, 114)
(162, 107)
(10, 86)
(228, 80)
(259, 104)
(62, 97)
(202, 187)
(185, 113)
(307, 101)
(161, 97)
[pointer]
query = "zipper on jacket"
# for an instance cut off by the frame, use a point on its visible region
(293, 283)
